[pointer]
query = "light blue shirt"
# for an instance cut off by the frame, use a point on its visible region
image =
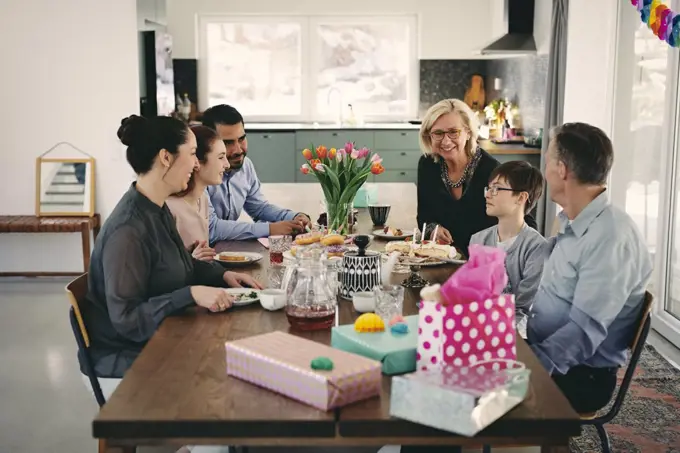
(591, 293)
(241, 190)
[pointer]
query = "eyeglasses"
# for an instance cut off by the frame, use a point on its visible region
(438, 136)
(493, 190)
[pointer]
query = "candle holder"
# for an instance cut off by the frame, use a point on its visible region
(414, 280)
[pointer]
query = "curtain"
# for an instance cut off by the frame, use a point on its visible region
(554, 103)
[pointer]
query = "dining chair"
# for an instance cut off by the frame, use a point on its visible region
(636, 346)
(76, 292)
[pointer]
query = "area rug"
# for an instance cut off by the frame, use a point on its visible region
(649, 421)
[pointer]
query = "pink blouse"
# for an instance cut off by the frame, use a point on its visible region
(191, 219)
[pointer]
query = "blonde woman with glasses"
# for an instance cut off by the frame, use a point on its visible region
(452, 175)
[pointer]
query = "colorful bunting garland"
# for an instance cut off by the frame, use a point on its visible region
(664, 22)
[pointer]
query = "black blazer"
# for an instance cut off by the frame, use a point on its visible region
(463, 217)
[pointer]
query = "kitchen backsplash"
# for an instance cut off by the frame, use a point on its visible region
(444, 79)
(522, 80)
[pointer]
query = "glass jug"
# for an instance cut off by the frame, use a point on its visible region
(311, 303)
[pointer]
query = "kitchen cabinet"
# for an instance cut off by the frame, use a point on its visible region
(401, 140)
(272, 154)
(398, 176)
(277, 154)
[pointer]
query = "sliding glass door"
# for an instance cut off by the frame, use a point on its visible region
(645, 179)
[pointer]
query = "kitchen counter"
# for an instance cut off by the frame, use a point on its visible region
(510, 148)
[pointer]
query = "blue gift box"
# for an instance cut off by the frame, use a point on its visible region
(396, 351)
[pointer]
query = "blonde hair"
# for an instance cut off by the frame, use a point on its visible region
(470, 122)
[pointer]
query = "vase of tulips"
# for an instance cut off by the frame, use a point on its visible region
(341, 172)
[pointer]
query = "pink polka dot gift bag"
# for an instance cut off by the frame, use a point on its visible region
(468, 320)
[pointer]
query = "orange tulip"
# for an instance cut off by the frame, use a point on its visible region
(307, 154)
(314, 162)
(332, 152)
(377, 169)
(321, 152)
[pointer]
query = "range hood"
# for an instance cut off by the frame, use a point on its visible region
(519, 40)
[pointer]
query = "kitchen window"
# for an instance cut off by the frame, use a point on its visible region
(310, 68)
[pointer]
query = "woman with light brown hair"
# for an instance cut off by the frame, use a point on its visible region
(452, 175)
(190, 206)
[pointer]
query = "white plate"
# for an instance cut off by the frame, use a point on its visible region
(380, 234)
(250, 258)
(244, 299)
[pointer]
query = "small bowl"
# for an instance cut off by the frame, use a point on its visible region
(272, 299)
(364, 302)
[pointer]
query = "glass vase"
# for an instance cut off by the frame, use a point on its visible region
(338, 217)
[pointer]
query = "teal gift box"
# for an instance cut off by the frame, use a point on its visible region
(366, 195)
(396, 351)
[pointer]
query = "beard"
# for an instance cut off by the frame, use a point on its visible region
(236, 162)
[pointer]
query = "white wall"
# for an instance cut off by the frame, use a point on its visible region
(591, 54)
(154, 11)
(69, 73)
(447, 28)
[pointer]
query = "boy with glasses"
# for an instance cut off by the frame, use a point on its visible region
(514, 187)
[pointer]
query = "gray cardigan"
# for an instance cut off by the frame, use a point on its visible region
(523, 262)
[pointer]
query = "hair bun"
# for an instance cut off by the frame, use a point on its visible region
(133, 130)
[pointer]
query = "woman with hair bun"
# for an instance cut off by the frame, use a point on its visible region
(190, 206)
(140, 271)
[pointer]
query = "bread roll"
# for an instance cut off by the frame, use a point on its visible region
(308, 238)
(333, 239)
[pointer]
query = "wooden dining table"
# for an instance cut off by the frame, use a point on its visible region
(177, 392)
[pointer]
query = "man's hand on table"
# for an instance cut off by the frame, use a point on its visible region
(238, 280)
(286, 228)
(303, 219)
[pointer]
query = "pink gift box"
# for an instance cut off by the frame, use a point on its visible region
(282, 363)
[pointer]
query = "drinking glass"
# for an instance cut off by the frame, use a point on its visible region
(389, 301)
(278, 245)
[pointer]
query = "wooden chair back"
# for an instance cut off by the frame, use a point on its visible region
(645, 314)
(76, 292)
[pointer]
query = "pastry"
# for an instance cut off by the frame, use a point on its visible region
(432, 250)
(392, 231)
(231, 258)
(332, 239)
(335, 251)
(401, 247)
(308, 238)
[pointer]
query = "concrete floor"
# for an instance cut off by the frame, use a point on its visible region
(44, 406)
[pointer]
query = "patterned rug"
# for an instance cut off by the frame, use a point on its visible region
(649, 421)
